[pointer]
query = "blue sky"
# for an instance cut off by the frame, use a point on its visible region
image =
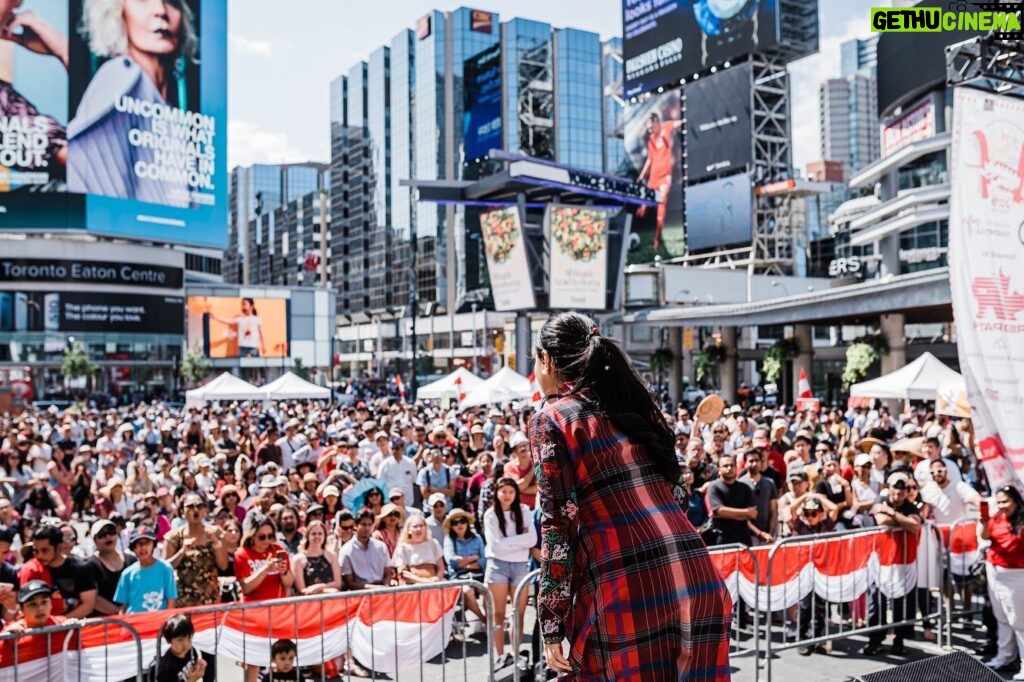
(282, 56)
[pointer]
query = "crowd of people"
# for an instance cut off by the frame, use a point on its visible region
(126, 510)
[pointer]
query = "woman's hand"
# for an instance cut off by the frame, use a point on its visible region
(36, 34)
(555, 659)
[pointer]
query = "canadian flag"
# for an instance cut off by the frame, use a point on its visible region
(804, 384)
(458, 389)
(400, 385)
(536, 396)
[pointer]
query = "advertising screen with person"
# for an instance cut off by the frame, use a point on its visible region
(229, 327)
(113, 117)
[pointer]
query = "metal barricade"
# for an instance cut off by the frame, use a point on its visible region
(959, 553)
(33, 658)
(744, 639)
(251, 638)
(807, 616)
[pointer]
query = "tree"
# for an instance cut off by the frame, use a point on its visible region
(194, 366)
(300, 370)
(77, 365)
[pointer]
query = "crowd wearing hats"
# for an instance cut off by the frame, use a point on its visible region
(144, 508)
(150, 508)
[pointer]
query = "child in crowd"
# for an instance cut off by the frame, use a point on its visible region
(283, 653)
(148, 584)
(183, 662)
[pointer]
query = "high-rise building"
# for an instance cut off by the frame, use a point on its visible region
(430, 105)
(859, 57)
(848, 118)
(259, 190)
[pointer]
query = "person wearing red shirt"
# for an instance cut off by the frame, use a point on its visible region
(520, 467)
(657, 170)
(262, 568)
(35, 599)
(1005, 568)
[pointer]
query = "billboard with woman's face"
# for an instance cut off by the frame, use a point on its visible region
(130, 128)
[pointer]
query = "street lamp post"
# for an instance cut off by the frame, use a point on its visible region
(413, 311)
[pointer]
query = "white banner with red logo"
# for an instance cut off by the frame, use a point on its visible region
(915, 125)
(986, 267)
(384, 631)
(838, 569)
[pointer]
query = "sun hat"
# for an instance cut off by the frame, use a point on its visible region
(456, 514)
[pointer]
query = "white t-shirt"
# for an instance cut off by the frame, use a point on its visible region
(949, 504)
(248, 331)
(428, 552)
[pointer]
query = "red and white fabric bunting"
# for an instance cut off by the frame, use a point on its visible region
(837, 569)
(386, 632)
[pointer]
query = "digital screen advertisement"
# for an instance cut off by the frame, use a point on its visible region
(65, 311)
(719, 213)
(482, 105)
(230, 327)
(666, 41)
(579, 257)
(115, 121)
(719, 129)
(652, 133)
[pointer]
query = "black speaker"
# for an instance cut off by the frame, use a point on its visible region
(955, 667)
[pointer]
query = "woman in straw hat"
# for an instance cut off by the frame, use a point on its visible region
(389, 526)
(464, 554)
(607, 468)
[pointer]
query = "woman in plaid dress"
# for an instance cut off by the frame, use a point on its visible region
(624, 577)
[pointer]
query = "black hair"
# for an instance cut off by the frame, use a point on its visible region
(600, 373)
(932, 440)
(48, 532)
(283, 646)
(517, 507)
(365, 513)
(343, 515)
(1017, 520)
(179, 625)
(252, 304)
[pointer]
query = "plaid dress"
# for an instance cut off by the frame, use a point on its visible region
(624, 576)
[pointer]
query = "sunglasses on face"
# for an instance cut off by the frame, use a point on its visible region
(194, 505)
(347, 529)
(460, 522)
(264, 537)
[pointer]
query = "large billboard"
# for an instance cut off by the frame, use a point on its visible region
(653, 138)
(664, 42)
(114, 118)
(719, 212)
(67, 311)
(482, 102)
(719, 128)
(507, 266)
(229, 327)
(579, 257)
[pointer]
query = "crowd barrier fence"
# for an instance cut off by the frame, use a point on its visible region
(962, 549)
(43, 654)
(386, 629)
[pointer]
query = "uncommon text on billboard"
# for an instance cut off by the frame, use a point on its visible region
(182, 144)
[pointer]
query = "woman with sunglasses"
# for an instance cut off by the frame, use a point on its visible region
(464, 552)
(262, 568)
(1004, 564)
(389, 526)
(197, 554)
(607, 472)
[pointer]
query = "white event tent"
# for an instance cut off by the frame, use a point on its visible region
(290, 386)
(446, 387)
(225, 387)
(505, 386)
(920, 380)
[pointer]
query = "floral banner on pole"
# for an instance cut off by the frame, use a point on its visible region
(579, 257)
(507, 265)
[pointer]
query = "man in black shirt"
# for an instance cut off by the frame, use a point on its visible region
(106, 566)
(732, 505)
(765, 494)
(899, 514)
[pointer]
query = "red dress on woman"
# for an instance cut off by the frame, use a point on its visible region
(624, 576)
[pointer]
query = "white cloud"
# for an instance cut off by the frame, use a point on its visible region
(805, 76)
(243, 45)
(248, 143)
